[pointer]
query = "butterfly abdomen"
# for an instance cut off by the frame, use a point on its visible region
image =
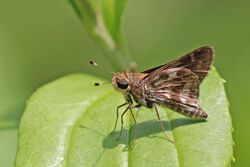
(188, 111)
(194, 113)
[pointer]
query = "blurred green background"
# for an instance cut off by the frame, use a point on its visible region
(43, 40)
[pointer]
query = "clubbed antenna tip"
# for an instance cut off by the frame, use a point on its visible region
(96, 84)
(92, 63)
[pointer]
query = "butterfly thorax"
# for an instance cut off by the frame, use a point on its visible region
(128, 83)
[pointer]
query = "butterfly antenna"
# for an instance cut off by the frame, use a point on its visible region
(91, 62)
(100, 84)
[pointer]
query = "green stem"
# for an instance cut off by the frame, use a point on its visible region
(119, 56)
(105, 31)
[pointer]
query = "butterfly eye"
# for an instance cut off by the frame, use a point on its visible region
(122, 84)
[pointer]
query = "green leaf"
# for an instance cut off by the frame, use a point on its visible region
(68, 123)
(102, 20)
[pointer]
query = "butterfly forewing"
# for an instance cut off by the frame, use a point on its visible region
(175, 84)
(199, 62)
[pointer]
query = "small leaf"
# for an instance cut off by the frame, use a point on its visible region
(102, 20)
(68, 123)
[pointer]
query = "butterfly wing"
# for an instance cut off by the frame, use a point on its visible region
(176, 88)
(199, 62)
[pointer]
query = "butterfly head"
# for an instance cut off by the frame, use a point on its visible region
(120, 82)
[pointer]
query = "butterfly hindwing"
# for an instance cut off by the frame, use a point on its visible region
(177, 89)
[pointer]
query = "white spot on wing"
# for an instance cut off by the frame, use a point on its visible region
(183, 100)
(172, 75)
(167, 95)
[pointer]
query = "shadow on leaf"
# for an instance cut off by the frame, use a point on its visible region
(145, 129)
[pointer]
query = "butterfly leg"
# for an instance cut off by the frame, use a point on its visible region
(136, 106)
(131, 145)
(135, 132)
(132, 115)
(124, 112)
(117, 114)
(162, 127)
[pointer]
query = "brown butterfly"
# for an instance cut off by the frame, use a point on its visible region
(174, 85)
